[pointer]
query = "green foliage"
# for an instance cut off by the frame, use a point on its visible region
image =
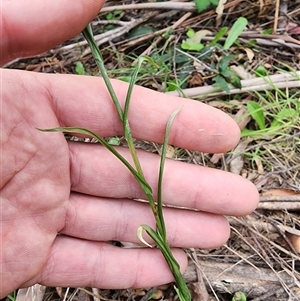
(79, 68)
(225, 74)
(139, 31)
(115, 15)
(261, 71)
(239, 296)
(173, 85)
(193, 41)
(273, 116)
(237, 28)
(190, 45)
(114, 141)
(219, 35)
(267, 31)
(276, 112)
(202, 5)
(221, 83)
(257, 113)
(284, 116)
(12, 296)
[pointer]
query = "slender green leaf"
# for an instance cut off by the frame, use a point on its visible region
(257, 113)
(161, 171)
(219, 35)
(182, 289)
(237, 28)
(88, 34)
(126, 126)
(84, 131)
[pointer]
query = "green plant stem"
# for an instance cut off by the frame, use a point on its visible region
(88, 34)
(158, 235)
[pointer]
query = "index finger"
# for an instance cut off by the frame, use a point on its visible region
(85, 102)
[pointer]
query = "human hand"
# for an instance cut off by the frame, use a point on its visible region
(61, 201)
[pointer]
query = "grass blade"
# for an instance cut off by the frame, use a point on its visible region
(237, 28)
(88, 34)
(126, 125)
(181, 289)
(162, 227)
(145, 186)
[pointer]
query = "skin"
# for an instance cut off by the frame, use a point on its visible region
(61, 201)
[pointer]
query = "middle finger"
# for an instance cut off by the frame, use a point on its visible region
(95, 171)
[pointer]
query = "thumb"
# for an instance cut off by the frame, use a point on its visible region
(32, 27)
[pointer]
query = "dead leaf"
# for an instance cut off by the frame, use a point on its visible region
(195, 80)
(198, 291)
(250, 54)
(241, 72)
(35, 292)
(295, 241)
(260, 167)
(83, 296)
(278, 192)
(219, 11)
(170, 152)
(158, 295)
(197, 37)
(236, 165)
(294, 30)
(59, 291)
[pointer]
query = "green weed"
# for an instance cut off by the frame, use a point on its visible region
(223, 74)
(79, 68)
(159, 233)
(275, 113)
(12, 296)
(115, 15)
(202, 5)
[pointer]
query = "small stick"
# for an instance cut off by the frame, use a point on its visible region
(167, 5)
(275, 24)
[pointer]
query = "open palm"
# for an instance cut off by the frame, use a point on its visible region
(62, 201)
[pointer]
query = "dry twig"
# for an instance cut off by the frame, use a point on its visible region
(281, 81)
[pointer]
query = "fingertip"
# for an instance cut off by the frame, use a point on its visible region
(201, 127)
(246, 196)
(221, 233)
(235, 131)
(251, 198)
(24, 25)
